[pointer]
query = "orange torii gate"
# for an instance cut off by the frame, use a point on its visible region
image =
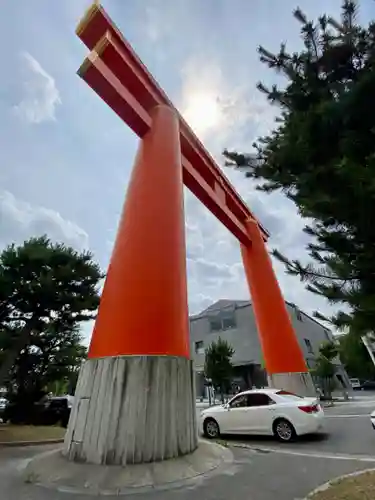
(135, 400)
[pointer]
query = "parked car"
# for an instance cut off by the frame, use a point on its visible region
(3, 405)
(58, 410)
(356, 384)
(372, 417)
(368, 385)
(50, 411)
(266, 412)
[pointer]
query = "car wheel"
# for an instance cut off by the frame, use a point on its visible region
(284, 430)
(211, 428)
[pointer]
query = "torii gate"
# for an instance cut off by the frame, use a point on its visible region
(135, 400)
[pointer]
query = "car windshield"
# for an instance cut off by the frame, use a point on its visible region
(289, 395)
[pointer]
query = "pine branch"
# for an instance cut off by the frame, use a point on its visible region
(300, 16)
(306, 272)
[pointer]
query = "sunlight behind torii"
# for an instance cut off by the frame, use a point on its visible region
(202, 112)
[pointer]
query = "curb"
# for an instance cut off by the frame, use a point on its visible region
(332, 482)
(13, 444)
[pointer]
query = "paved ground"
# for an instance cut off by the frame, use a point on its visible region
(261, 472)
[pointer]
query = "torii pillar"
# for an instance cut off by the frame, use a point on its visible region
(135, 399)
(285, 364)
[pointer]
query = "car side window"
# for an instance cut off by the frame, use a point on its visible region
(239, 402)
(259, 399)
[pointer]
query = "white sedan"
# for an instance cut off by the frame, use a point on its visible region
(372, 417)
(266, 412)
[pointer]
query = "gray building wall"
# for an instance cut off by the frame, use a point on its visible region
(243, 337)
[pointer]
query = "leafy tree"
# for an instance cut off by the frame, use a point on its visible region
(322, 156)
(218, 365)
(46, 290)
(355, 357)
(325, 369)
(51, 359)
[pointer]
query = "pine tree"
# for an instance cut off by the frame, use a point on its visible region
(325, 369)
(46, 290)
(322, 156)
(218, 364)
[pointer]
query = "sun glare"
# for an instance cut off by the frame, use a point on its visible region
(202, 112)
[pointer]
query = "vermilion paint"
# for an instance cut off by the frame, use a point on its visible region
(143, 309)
(281, 350)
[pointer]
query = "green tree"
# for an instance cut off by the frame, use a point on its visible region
(218, 365)
(46, 290)
(48, 363)
(325, 369)
(321, 154)
(355, 357)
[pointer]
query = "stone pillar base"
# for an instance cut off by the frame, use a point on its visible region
(132, 409)
(298, 383)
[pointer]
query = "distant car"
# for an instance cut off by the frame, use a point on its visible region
(51, 411)
(372, 417)
(58, 410)
(368, 385)
(356, 384)
(266, 412)
(3, 406)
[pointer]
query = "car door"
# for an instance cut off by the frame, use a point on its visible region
(258, 414)
(233, 420)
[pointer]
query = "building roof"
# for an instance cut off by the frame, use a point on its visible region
(221, 304)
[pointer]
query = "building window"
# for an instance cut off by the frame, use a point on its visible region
(224, 321)
(215, 325)
(199, 347)
(229, 321)
(309, 346)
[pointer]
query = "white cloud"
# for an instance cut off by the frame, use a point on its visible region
(41, 96)
(20, 220)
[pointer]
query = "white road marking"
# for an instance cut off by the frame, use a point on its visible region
(361, 402)
(367, 415)
(310, 454)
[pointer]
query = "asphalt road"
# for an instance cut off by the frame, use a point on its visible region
(262, 470)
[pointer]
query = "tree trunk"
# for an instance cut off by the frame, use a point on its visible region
(12, 354)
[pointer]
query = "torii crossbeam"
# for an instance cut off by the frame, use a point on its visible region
(135, 400)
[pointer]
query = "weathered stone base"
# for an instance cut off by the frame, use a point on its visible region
(132, 409)
(299, 383)
(53, 471)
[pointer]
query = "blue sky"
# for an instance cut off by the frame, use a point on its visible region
(66, 157)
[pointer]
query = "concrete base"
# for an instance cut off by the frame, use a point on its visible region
(53, 471)
(298, 383)
(132, 409)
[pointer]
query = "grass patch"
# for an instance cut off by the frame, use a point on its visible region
(361, 487)
(11, 433)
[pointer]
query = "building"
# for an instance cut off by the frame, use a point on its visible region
(234, 321)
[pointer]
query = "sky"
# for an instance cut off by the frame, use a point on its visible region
(66, 157)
